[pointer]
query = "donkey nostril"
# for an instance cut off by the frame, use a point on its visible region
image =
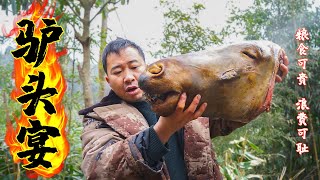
(156, 69)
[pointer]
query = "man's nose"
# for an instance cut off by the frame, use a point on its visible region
(129, 77)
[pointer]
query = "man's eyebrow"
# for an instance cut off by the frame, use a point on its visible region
(133, 61)
(115, 67)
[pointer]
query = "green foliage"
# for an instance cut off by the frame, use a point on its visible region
(9, 110)
(183, 32)
(16, 6)
(71, 103)
(239, 158)
(265, 138)
(72, 164)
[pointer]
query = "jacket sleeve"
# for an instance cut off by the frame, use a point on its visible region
(151, 148)
(108, 155)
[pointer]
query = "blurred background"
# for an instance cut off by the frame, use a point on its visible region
(263, 149)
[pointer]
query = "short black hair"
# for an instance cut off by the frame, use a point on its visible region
(115, 46)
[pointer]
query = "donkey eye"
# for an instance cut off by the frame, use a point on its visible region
(250, 55)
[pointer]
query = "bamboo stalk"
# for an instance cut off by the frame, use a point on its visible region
(18, 172)
(314, 146)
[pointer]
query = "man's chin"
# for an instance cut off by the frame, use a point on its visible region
(135, 98)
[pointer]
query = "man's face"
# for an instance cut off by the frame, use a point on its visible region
(124, 70)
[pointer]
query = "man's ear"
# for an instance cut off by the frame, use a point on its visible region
(107, 78)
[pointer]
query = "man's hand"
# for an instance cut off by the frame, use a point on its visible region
(283, 68)
(166, 126)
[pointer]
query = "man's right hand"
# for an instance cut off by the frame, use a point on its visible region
(166, 126)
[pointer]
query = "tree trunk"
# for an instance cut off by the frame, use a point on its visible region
(84, 71)
(85, 40)
(103, 42)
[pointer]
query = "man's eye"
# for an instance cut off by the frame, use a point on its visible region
(116, 72)
(134, 67)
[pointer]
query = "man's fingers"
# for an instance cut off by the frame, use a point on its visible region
(194, 104)
(286, 60)
(278, 78)
(284, 70)
(199, 112)
(182, 102)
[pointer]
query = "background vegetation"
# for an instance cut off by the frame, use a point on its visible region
(263, 149)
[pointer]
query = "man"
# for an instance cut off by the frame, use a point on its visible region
(124, 139)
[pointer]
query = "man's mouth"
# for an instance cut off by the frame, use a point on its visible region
(132, 89)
